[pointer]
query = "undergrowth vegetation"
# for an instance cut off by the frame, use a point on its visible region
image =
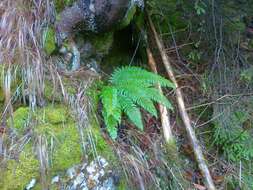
(49, 123)
(236, 143)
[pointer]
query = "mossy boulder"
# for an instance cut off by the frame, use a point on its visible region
(54, 93)
(18, 173)
(56, 123)
(59, 128)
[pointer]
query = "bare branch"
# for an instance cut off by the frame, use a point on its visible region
(185, 117)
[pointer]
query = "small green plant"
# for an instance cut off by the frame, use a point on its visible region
(247, 75)
(129, 88)
(200, 7)
(235, 140)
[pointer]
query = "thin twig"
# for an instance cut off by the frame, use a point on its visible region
(185, 117)
(217, 100)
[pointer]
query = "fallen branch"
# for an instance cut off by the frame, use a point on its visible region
(184, 115)
(167, 133)
(171, 147)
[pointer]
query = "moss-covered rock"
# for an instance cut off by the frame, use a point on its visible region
(59, 127)
(103, 42)
(54, 93)
(102, 147)
(56, 123)
(19, 119)
(18, 173)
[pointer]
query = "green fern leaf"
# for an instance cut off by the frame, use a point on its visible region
(131, 87)
(111, 125)
(156, 96)
(110, 102)
(140, 95)
(132, 112)
(148, 105)
(111, 110)
(138, 76)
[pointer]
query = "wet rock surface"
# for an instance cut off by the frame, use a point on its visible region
(95, 175)
(87, 28)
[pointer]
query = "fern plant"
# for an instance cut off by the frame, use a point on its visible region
(129, 89)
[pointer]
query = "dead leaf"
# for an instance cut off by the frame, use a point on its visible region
(218, 179)
(199, 187)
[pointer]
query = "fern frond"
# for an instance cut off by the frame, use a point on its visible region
(132, 91)
(132, 112)
(111, 110)
(139, 98)
(111, 125)
(156, 96)
(138, 76)
(131, 87)
(140, 95)
(110, 102)
(148, 105)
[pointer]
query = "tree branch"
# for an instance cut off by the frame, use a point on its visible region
(184, 115)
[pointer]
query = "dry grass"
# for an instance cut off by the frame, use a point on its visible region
(21, 26)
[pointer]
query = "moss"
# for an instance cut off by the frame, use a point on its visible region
(54, 94)
(49, 41)
(59, 127)
(122, 185)
(69, 87)
(128, 18)
(61, 4)
(103, 148)
(53, 114)
(20, 118)
(102, 42)
(19, 173)
(50, 93)
(67, 148)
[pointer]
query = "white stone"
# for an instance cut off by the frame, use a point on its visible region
(31, 184)
(55, 179)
